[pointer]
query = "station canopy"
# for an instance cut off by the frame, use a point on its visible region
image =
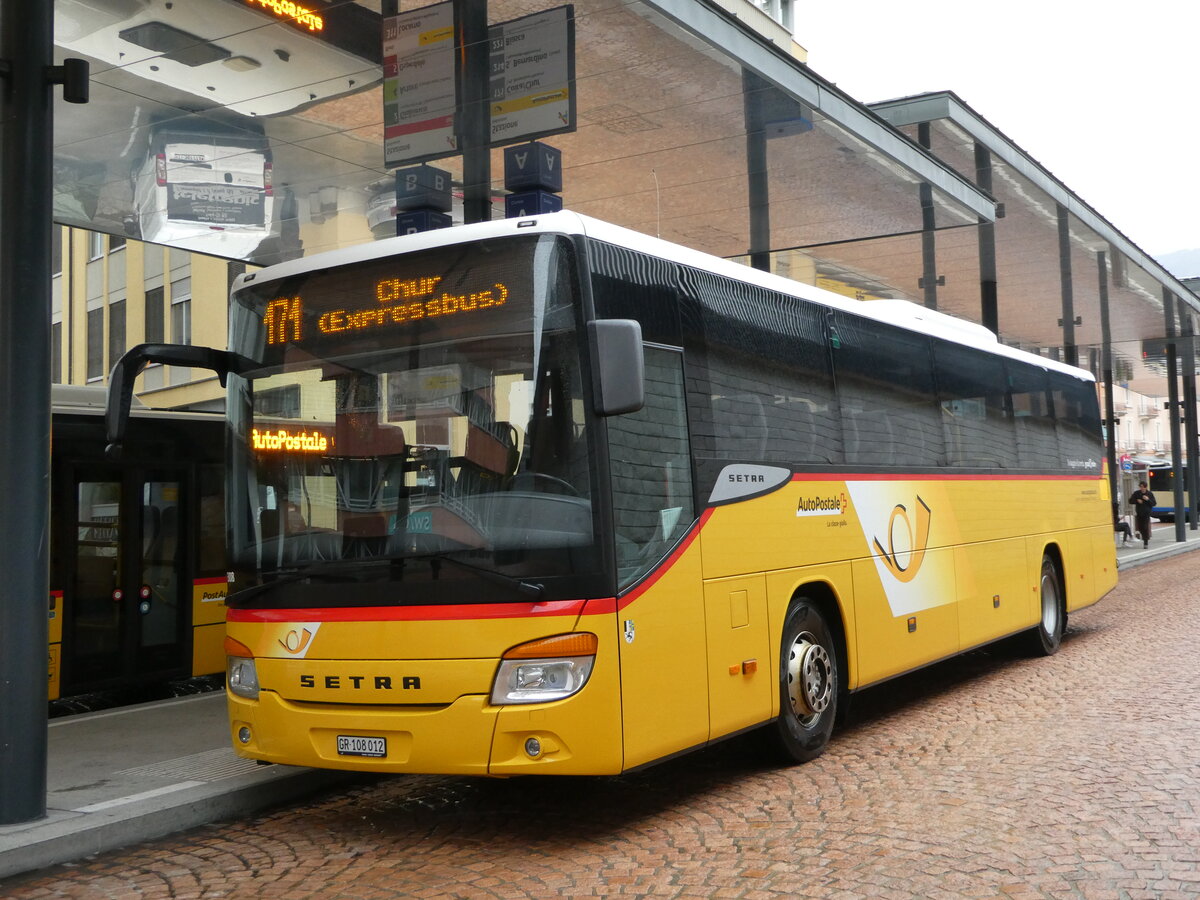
(255, 130)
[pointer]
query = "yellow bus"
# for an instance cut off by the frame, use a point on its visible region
(546, 496)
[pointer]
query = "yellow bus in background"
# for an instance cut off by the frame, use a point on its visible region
(137, 553)
(546, 496)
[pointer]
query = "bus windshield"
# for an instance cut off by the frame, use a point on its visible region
(424, 405)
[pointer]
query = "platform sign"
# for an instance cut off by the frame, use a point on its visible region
(419, 85)
(533, 75)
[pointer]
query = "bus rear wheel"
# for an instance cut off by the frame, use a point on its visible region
(1045, 638)
(808, 684)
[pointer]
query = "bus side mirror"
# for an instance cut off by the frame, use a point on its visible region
(120, 383)
(619, 365)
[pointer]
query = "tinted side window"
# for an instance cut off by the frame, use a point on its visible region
(885, 386)
(972, 394)
(1077, 420)
(651, 470)
(629, 285)
(762, 390)
(1037, 442)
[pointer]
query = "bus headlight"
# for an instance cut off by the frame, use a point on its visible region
(544, 670)
(241, 675)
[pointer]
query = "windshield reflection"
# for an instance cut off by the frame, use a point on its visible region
(475, 445)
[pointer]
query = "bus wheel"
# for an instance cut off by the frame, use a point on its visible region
(808, 684)
(1045, 638)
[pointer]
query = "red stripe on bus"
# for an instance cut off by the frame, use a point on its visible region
(410, 613)
(667, 563)
(604, 606)
(950, 476)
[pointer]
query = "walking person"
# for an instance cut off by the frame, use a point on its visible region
(1142, 501)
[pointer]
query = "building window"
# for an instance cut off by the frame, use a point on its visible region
(95, 343)
(779, 10)
(181, 311)
(181, 325)
(278, 403)
(56, 353)
(154, 316)
(181, 321)
(56, 250)
(95, 245)
(116, 332)
(115, 242)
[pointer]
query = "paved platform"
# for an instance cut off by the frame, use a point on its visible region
(139, 772)
(1163, 543)
(135, 773)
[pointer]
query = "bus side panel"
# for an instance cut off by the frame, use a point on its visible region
(208, 649)
(1104, 553)
(896, 631)
(993, 598)
(740, 676)
(208, 625)
(664, 676)
(1079, 574)
(54, 658)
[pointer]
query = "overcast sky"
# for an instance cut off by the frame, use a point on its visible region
(1102, 94)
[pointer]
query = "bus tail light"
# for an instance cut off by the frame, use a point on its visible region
(548, 669)
(241, 674)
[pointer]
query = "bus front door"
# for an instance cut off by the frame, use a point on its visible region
(123, 602)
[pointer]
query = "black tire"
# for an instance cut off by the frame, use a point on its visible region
(1045, 638)
(808, 685)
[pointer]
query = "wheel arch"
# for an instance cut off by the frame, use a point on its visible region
(823, 596)
(1054, 552)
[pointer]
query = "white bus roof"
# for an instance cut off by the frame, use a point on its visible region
(902, 313)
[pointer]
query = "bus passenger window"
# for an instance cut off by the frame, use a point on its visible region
(979, 432)
(651, 470)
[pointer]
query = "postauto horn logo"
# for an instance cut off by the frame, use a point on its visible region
(904, 561)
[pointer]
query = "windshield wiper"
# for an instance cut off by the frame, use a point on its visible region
(534, 591)
(335, 571)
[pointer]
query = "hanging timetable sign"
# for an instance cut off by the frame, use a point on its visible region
(419, 85)
(532, 81)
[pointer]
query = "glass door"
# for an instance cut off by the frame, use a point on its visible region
(93, 601)
(124, 602)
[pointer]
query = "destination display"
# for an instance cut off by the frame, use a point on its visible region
(396, 302)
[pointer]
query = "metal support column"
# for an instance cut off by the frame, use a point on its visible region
(758, 185)
(471, 27)
(929, 277)
(989, 300)
(1192, 441)
(1106, 369)
(1070, 351)
(26, 48)
(1169, 301)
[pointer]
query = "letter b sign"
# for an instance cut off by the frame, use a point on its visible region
(422, 188)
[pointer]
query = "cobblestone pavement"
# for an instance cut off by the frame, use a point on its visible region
(989, 776)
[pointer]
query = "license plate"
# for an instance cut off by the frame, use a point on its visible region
(350, 745)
